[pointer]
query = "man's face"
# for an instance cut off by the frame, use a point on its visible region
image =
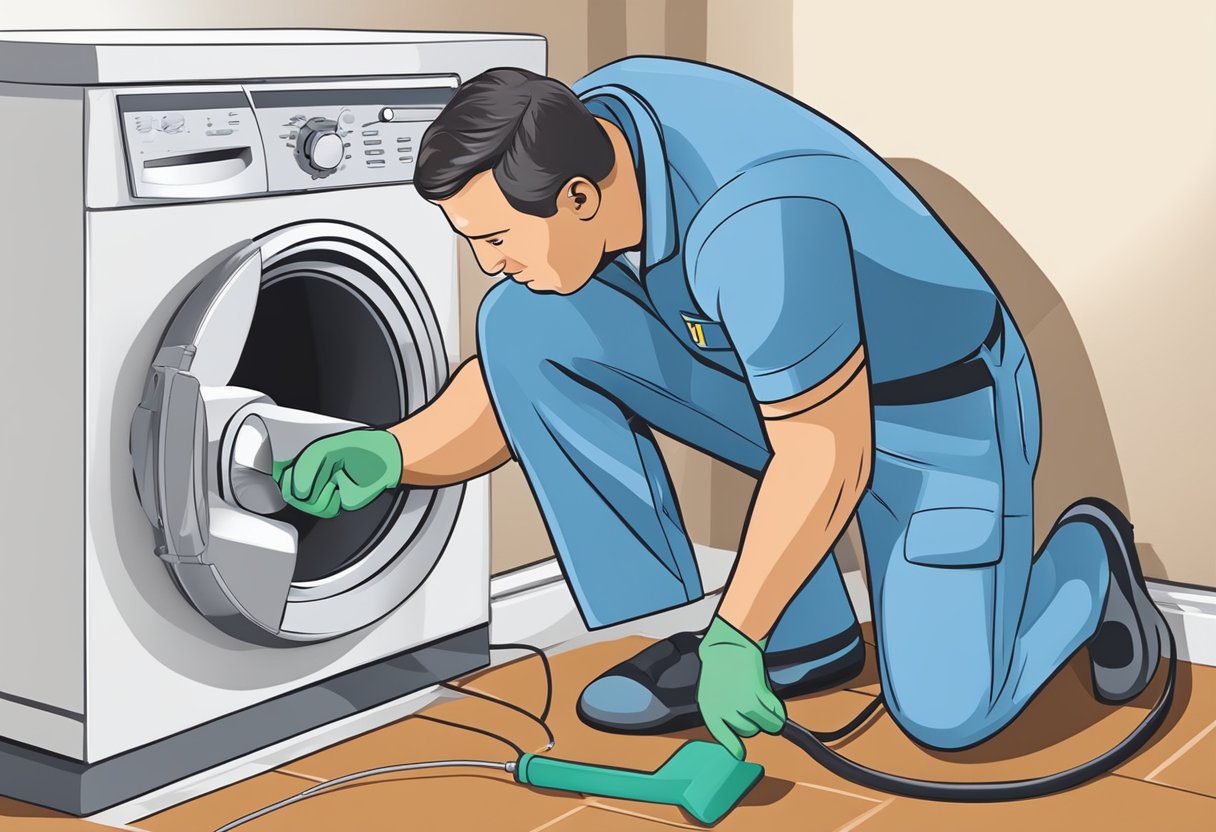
(547, 254)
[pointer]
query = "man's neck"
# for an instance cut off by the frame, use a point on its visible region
(621, 197)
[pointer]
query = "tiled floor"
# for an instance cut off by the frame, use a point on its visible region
(1169, 785)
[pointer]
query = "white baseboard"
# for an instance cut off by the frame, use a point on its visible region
(1191, 614)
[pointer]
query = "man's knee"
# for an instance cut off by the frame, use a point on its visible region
(939, 675)
(499, 318)
(942, 693)
(948, 713)
(941, 650)
(518, 329)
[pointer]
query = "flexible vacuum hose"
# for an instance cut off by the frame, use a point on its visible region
(812, 742)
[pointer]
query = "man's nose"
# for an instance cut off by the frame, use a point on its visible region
(492, 267)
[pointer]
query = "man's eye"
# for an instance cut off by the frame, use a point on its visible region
(495, 242)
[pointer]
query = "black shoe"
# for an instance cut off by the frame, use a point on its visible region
(1125, 648)
(655, 692)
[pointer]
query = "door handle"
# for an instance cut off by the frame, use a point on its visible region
(179, 448)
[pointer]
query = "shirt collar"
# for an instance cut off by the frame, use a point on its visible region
(641, 128)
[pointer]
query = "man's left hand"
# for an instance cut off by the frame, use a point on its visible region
(733, 691)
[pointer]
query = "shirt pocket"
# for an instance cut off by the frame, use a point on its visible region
(954, 536)
(949, 458)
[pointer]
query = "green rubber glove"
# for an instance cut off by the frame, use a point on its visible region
(733, 691)
(344, 471)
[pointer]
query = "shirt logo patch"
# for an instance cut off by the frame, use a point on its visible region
(696, 331)
(705, 332)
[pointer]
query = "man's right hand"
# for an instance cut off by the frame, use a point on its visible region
(344, 471)
(733, 691)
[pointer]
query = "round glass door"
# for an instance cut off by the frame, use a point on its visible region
(321, 318)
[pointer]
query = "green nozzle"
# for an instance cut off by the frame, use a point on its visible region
(702, 778)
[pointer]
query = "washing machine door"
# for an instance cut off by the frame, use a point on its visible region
(307, 331)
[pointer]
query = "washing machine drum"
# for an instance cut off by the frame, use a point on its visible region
(308, 331)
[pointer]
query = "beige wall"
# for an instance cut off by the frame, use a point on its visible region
(757, 45)
(1072, 147)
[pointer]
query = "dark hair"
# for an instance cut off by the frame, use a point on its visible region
(532, 131)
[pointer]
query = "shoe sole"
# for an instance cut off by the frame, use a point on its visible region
(826, 676)
(1129, 606)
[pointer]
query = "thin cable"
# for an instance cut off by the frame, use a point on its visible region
(519, 751)
(307, 793)
(544, 660)
(508, 766)
(505, 704)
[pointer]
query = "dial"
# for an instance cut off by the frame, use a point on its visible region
(326, 151)
(172, 122)
(319, 147)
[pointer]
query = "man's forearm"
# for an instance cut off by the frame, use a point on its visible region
(454, 438)
(787, 536)
(818, 472)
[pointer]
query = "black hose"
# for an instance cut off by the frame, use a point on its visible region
(812, 743)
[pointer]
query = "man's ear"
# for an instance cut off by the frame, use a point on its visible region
(581, 197)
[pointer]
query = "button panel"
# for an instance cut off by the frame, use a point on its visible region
(282, 113)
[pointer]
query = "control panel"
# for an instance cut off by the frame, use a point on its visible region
(274, 138)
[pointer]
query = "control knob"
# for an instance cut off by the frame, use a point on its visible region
(172, 122)
(319, 147)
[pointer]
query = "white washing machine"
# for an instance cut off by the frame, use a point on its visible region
(213, 254)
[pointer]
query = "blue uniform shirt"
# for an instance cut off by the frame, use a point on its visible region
(775, 243)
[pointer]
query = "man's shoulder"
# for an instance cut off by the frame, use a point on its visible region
(767, 185)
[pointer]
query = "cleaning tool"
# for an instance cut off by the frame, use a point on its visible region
(702, 778)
